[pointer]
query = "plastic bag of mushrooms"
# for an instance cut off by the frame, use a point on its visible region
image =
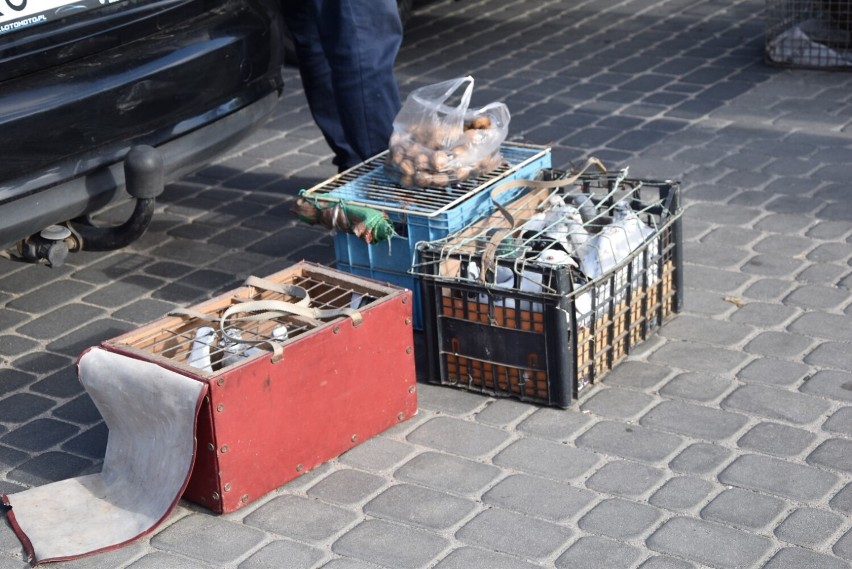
(438, 140)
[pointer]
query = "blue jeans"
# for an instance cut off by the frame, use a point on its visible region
(346, 51)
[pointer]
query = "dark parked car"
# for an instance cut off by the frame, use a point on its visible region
(105, 100)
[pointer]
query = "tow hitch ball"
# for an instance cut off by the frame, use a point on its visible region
(143, 178)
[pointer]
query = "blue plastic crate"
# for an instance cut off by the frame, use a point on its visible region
(405, 280)
(421, 214)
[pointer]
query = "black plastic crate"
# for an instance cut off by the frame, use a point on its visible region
(548, 331)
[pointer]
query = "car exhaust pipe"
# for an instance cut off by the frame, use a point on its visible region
(143, 179)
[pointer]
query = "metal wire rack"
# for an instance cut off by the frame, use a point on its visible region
(182, 337)
(370, 185)
(809, 33)
(531, 241)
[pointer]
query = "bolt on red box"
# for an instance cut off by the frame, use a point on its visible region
(300, 366)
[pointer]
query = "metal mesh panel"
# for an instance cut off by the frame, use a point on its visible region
(809, 33)
(370, 185)
(231, 342)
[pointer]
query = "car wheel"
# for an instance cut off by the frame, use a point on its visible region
(405, 7)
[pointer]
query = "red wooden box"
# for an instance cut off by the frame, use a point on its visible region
(338, 382)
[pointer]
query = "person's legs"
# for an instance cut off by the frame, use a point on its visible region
(361, 39)
(301, 17)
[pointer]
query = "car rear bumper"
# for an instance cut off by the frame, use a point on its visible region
(30, 213)
(192, 90)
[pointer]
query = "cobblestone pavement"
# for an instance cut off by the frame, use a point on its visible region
(725, 441)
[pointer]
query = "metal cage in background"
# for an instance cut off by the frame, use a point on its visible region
(813, 34)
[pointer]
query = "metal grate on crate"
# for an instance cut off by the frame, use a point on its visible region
(172, 339)
(522, 254)
(369, 184)
(809, 33)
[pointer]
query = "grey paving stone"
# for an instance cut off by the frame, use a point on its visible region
(347, 563)
(423, 507)
(548, 459)
(538, 497)
(778, 344)
(514, 534)
(694, 356)
(554, 424)
(700, 458)
(302, 519)
(814, 297)
(774, 372)
(830, 253)
(617, 403)
(448, 473)
(629, 441)
(157, 560)
(208, 539)
(596, 552)
(56, 322)
(49, 297)
(696, 386)
(711, 255)
(12, 380)
(681, 493)
(40, 434)
(684, 418)
(707, 303)
(346, 486)
(737, 237)
(21, 407)
(48, 467)
(771, 266)
(822, 274)
(809, 527)
(81, 410)
(272, 556)
(91, 443)
(664, 562)
(840, 422)
(774, 476)
(714, 279)
(783, 223)
(458, 437)
(449, 401)
(706, 330)
(767, 290)
(623, 478)
(390, 545)
(796, 558)
(776, 404)
(777, 439)
(378, 453)
(502, 412)
(743, 509)
(823, 325)
(843, 547)
(842, 501)
(620, 519)
(475, 558)
(638, 375)
(832, 384)
(835, 454)
(783, 245)
(709, 543)
(832, 355)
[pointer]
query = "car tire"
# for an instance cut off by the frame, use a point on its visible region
(405, 8)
